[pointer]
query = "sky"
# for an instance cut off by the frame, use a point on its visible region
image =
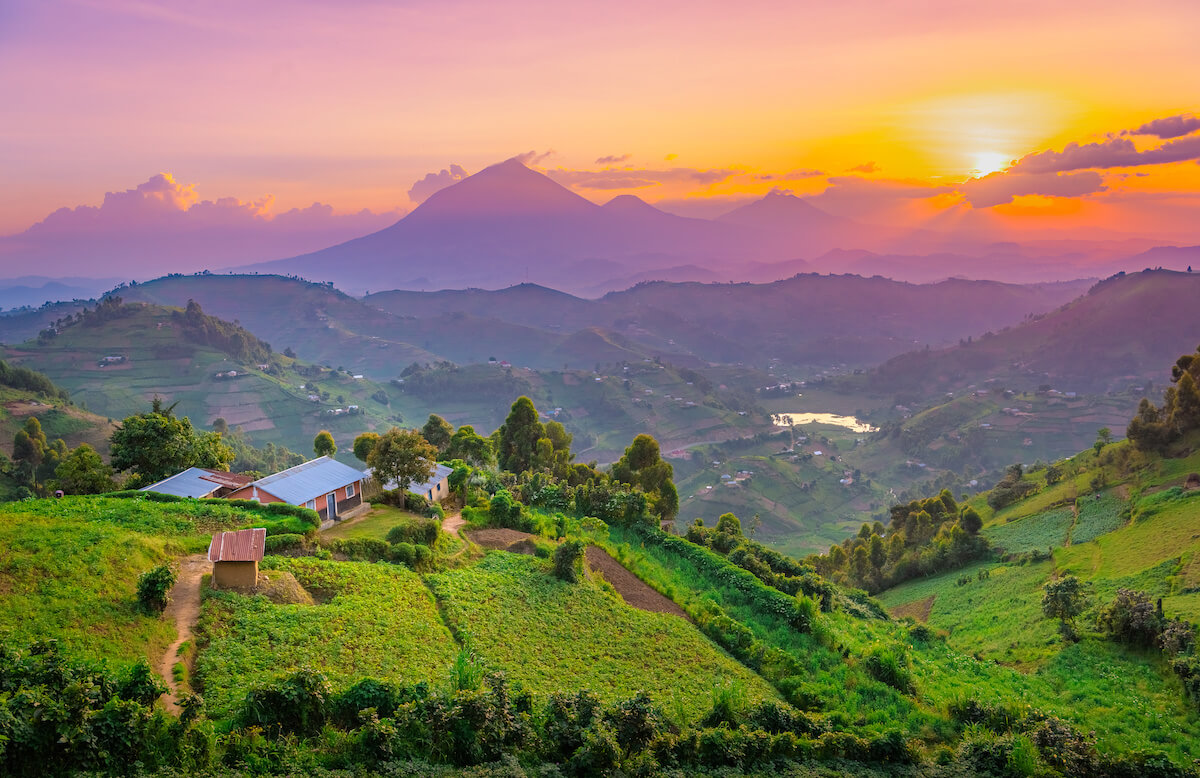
(1068, 116)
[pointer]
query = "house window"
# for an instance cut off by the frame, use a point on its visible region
(349, 491)
(311, 505)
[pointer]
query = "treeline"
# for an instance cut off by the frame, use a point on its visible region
(58, 718)
(18, 377)
(447, 381)
(1154, 429)
(230, 338)
(926, 536)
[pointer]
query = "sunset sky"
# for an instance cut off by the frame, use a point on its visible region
(884, 110)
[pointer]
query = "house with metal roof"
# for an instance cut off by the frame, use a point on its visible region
(324, 485)
(435, 488)
(235, 557)
(199, 482)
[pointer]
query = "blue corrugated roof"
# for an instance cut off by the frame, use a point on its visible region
(310, 480)
(440, 471)
(189, 483)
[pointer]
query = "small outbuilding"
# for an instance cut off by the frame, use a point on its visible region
(235, 557)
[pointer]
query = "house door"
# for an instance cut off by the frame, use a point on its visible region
(331, 505)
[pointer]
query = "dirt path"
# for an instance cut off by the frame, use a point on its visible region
(632, 589)
(452, 523)
(184, 610)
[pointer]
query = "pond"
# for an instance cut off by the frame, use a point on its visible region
(849, 422)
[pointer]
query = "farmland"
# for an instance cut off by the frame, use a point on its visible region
(580, 637)
(370, 621)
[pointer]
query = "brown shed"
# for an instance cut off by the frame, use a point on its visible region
(235, 557)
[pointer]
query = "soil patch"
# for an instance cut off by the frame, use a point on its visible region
(453, 523)
(632, 589)
(918, 610)
(497, 538)
(184, 610)
(525, 547)
(282, 588)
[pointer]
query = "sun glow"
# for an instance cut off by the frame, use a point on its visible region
(985, 162)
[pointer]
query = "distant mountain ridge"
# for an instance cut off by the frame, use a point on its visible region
(507, 224)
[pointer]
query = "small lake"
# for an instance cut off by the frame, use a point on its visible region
(849, 422)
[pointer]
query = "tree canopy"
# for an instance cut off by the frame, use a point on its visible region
(518, 437)
(402, 457)
(323, 444)
(157, 444)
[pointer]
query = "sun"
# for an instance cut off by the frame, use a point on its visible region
(985, 162)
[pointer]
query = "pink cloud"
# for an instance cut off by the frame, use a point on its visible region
(613, 159)
(434, 182)
(1110, 153)
(1169, 127)
(1003, 187)
(631, 178)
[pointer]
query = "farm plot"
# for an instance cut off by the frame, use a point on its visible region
(1098, 515)
(581, 638)
(375, 621)
(1035, 533)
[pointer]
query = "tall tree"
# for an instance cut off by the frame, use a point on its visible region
(323, 444)
(437, 431)
(364, 443)
(518, 436)
(471, 448)
(642, 465)
(82, 471)
(157, 444)
(401, 457)
(29, 451)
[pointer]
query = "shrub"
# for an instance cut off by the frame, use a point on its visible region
(362, 549)
(153, 588)
(1132, 619)
(290, 541)
(567, 558)
(297, 704)
(419, 531)
(885, 666)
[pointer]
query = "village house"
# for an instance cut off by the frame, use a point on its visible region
(324, 485)
(235, 557)
(199, 482)
(435, 488)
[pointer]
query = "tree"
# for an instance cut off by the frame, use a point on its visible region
(468, 446)
(438, 432)
(323, 444)
(641, 465)
(518, 436)
(153, 588)
(729, 524)
(29, 451)
(364, 443)
(157, 444)
(83, 472)
(401, 457)
(971, 521)
(1054, 474)
(1064, 599)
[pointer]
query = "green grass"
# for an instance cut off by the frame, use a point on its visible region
(1164, 527)
(1034, 533)
(552, 636)
(375, 524)
(376, 621)
(1098, 515)
(75, 580)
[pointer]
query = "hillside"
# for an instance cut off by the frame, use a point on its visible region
(115, 364)
(1118, 335)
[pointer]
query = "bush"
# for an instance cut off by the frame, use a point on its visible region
(297, 704)
(362, 549)
(418, 531)
(277, 544)
(567, 560)
(885, 666)
(1132, 619)
(153, 588)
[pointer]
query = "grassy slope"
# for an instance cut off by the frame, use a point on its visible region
(69, 569)
(271, 409)
(552, 636)
(377, 621)
(1130, 698)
